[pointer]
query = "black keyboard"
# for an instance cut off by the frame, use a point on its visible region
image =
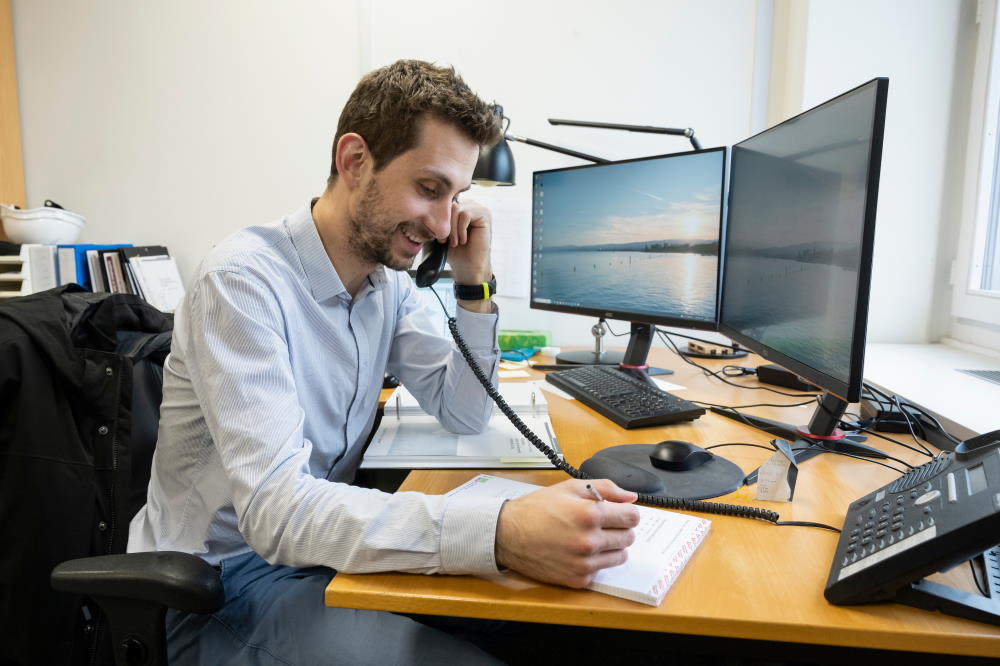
(628, 401)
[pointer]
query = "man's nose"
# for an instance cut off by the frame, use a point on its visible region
(439, 219)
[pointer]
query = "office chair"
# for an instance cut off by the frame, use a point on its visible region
(80, 387)
(134, 590)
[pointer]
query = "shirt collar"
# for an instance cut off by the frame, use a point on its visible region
(322, 276)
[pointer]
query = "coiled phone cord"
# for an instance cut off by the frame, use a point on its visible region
(644, 498)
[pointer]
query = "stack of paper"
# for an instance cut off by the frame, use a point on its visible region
(410, 438)
(157, 280)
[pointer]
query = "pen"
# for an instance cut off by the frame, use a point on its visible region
(397, 406)
(593, 491)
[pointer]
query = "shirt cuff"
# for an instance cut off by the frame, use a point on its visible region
(479, 330)
(468, 535)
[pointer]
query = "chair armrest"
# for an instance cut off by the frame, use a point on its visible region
(176, 580)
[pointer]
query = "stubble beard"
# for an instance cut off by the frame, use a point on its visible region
(371, 233)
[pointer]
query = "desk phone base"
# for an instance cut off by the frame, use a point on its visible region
(935, 516)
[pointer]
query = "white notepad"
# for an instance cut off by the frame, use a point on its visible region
(664, 543)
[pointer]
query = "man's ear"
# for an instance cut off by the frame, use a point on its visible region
(353, 159)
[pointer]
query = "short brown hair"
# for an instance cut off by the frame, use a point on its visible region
(388, 104)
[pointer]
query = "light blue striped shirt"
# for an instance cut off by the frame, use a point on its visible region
(270, 390)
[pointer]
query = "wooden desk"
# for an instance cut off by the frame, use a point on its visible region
(749, 579)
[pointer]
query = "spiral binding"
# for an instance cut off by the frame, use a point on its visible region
(557, 462)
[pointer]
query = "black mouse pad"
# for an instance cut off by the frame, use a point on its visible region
(716, 477)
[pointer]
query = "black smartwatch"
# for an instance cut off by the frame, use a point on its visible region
(476, 292)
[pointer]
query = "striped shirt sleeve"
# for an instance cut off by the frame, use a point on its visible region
(242, 376)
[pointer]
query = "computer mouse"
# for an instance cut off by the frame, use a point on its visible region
(623, 474)
(678, 456)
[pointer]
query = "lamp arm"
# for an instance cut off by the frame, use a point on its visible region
(557, 149)
(675, 131)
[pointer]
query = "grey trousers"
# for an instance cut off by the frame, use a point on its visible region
(275, 615)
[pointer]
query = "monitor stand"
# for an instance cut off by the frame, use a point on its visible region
(634, 357)
(821, 435)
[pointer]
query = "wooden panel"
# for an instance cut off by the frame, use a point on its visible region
(11, 165)
(749, 580)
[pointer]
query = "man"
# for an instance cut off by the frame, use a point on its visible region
(271, 388)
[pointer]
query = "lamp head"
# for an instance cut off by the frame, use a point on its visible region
(496, 162)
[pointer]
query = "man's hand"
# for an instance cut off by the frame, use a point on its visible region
(560, 534)
(469, 243)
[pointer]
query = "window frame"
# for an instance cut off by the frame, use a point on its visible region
(982, 178)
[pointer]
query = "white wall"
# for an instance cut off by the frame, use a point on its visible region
(914, 43)
(649, 63)
(179, 122)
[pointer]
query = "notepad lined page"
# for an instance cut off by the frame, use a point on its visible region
(664, 542)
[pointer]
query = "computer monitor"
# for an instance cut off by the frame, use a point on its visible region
(798, 248)
(636, 240)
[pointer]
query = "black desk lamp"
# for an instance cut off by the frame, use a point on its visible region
(496, 163)
(674, 131)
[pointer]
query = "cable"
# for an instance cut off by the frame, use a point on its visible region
(651, 500)
(890, 400)
(980, 584)
(759, 446)
(854, 455)
(803, 523)
(733, 345)
(895, 441)
(664, 335)
(932, 419)
(608, 326)
(759, 404)
(909, 423)
(742, 417)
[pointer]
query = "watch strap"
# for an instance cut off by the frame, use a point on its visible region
(476, 292)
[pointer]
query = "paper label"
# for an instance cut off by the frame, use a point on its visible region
(776, 477)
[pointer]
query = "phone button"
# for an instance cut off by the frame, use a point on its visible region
(927, 497)
(952, 490)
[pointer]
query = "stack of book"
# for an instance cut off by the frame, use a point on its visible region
(147, 271)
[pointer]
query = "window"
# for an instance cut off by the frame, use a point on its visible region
(976, 278)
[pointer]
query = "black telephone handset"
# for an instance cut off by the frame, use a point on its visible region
(935, 516)
(430, 269)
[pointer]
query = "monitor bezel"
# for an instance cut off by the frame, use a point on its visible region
(625, 315)
(851, 389)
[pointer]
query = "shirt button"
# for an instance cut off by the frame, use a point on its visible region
(108, 371)
(102, 526)
(103, 430)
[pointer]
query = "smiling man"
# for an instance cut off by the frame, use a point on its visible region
(272, 384)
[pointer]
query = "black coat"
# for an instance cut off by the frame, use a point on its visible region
(67, 454)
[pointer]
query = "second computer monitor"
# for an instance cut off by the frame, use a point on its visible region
(636, 240)
(800, 238)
